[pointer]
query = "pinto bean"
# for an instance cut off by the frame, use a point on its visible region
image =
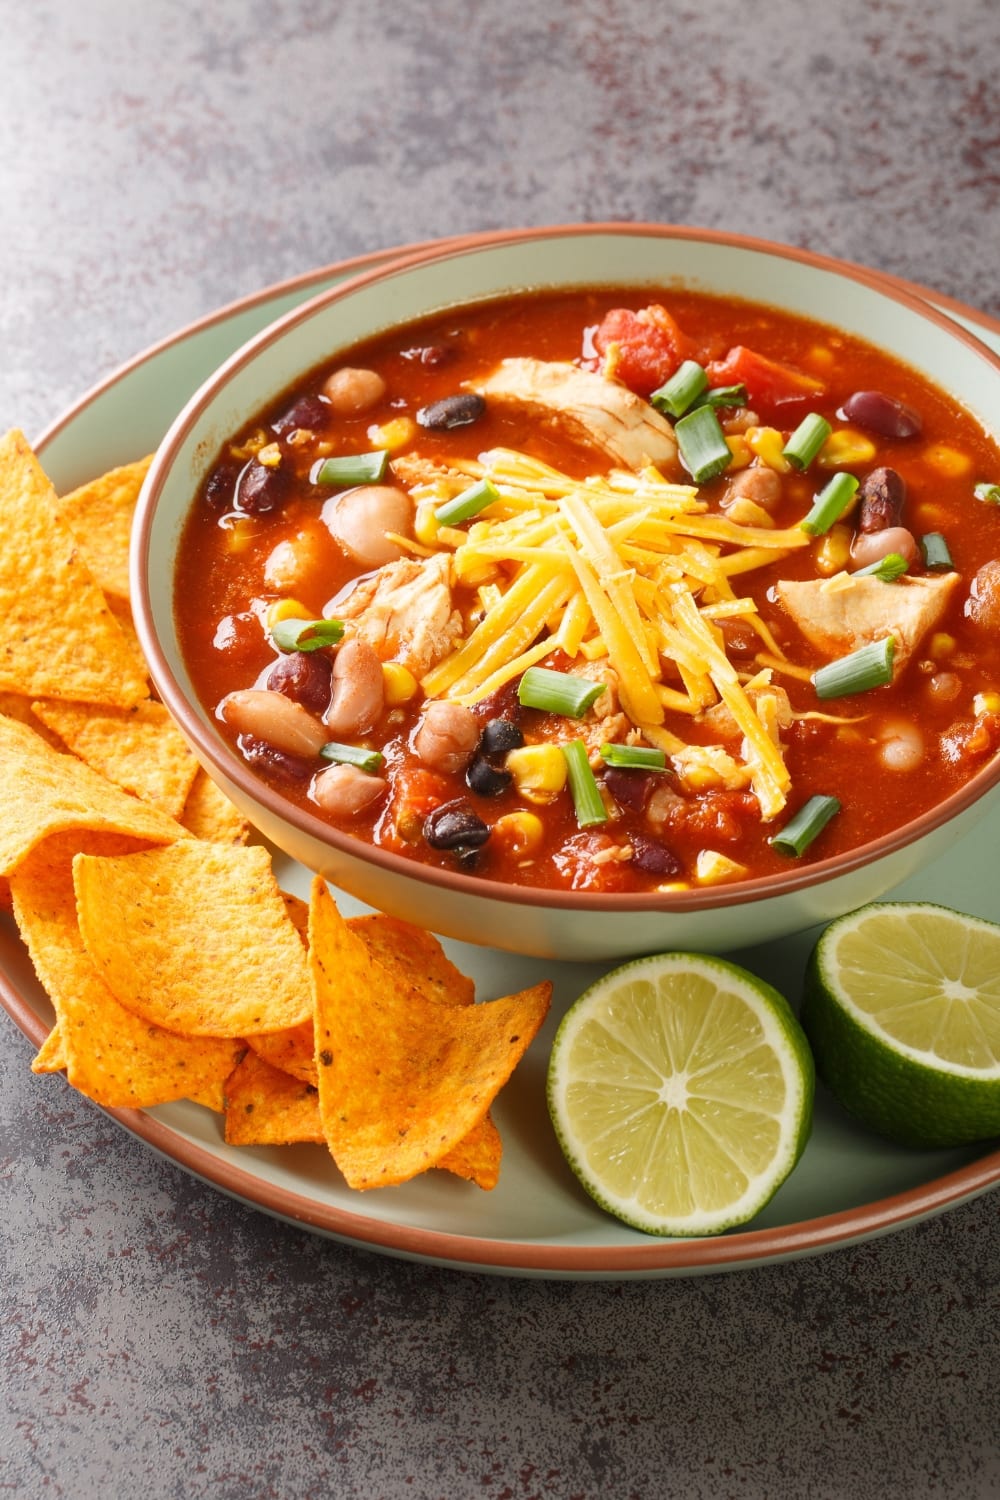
(350, 391)
(881, 495)
(983, 603)
(446, 736)
(901, 745)
(292, 560)
(872, 546)
(758, 483)
(345, 791)
(273, 717)
(360, 519)
(358, 690)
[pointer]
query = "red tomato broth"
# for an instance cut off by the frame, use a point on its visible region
(222, 598)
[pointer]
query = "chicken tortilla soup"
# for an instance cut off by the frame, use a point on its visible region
(604, 591)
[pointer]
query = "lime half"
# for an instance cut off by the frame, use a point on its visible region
(680, 1088)
(902, 1008)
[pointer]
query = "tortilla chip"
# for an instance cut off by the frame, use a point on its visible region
(208, 813)
(477, 1156)
(195, 938)
(47, 793)
(16, 706)
(51, 1055)
(58, 638)
(402, 1079)
(140, 749)
(265, 1107)
(111, 1055)
(99, 514)
(6, 901)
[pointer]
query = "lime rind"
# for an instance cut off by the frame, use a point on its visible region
(680, 1088)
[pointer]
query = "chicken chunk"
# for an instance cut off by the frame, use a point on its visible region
(405, 612)
(838, 615)
(588, 407)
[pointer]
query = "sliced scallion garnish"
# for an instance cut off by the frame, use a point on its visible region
(702, 443)
(353, 755)
(683, 388)
(987, 492)
(587, 798)
(353, 468)
(937, 556)
(634, 757)
(806, 441)
(830, 504)
(468, 504)
(557, 692)
(306, 635)
(888, 568)
(868, 667)
(810, 820)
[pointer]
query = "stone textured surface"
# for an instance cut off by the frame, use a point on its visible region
(157, 161)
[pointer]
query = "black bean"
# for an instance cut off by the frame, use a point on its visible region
(260, 489)
(631, 789)
(264, 756)
(881, 414)
(499, 736)
(309, 412)
(304, 676)
(486, 780)
(454, 825)
(882, 494)
(452, 411)
(652, 857)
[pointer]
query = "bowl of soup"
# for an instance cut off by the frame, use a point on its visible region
(591, 591)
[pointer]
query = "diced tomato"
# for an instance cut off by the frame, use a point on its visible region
(415, 793)
(768, 383)
(645, 347)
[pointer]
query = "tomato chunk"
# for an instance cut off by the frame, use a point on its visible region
(646, 347)
(768, 382)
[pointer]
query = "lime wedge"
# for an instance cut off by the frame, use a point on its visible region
(902, 1008)
(680, 1088)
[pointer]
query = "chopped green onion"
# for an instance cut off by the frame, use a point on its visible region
(353, 755)
(806, 441)
(587, 798)
(702, 443)
(683, 388)
(355, 468)
(830, 504)
(722, 395)
(634, 757)
(557, 692)
(468, 504)
(890, 567)
(868, 667)
(937, 557)
(810, 820)
(990, 493)
(306, 635)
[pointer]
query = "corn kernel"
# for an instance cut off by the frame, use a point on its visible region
(740, 449)
(254, 443)
(394, 435)
(398, 683)
(820, 357)
(941, 644)
(240, 534)
(746, 512)
(521, 831)
(286, 609)
(269, 456)
(947, 460)
(845, 448)
(425, 523)
(986, 703)
(539, 772)
(767, 443)
(711, 867)
(833, 551)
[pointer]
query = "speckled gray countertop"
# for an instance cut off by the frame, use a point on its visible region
(158, 161)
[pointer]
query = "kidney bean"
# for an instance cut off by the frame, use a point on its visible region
(274, 718)
(309, 412)
(260, 489)
(486, 780)
(452, 411)
(653, 857)
(304, 676)
(631, 789)
(219, 487)
(881, 414)
(274, 762)
(345, 791)
(882, 494)
(499, 736)
(454, 825)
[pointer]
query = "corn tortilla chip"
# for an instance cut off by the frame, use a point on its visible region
(51, 1055)
(140, 749)
(195, 937)
(58, 638)
(477, 1156)
(99, 514)
(265, 1107)
(47, 793)
(208, 814)
(111, 1055)
(16, 706)
(402, 1080)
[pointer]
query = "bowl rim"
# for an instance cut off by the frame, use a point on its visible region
(211, 749)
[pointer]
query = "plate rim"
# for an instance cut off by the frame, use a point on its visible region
(647, 1257)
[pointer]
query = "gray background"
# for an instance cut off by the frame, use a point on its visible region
(159, 160)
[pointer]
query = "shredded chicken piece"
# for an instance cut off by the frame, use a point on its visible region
(722, 724)
(600, 412)
(838, 615)
(405, 612)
